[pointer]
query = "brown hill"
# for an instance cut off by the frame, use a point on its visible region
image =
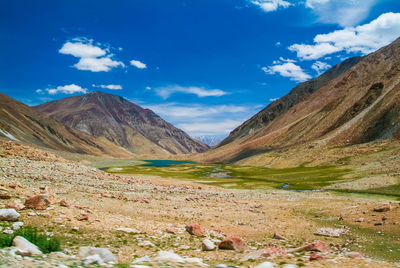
(121, 122)
(357, 105)
(20, 122)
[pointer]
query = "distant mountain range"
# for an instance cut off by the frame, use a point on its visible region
(209, 140)
(121, 122)
(356, 101)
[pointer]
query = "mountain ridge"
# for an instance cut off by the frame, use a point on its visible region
(122, 122)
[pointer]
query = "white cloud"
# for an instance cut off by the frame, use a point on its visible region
(215, 128)
(165, 92)
(39, 91)
(91, 57)
(341, 12)
(288, 69)
(320, 66)
(203, 119)
(274, 99)
(148, 88)
(112, 87)
(271, 5)
(138, 64)
(67, 89)
(361, 39)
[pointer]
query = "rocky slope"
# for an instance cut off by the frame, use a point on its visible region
(121, 122)
(22, 123)
(357, 105)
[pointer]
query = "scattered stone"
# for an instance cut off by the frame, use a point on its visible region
(142, 260)
(170, 230)
(279, 236)
(9, 214)
(25, 247)
(222, 265)
(195, 262)
(128, 230)
(266, 264)
(39, 202)
(384, 218)
(331, 232)
(75, 229)
(5, 195)
(360, 220)
(314, 257)
(104, 254)
(378, 223)
(341, 217)
(317, 245)
(17, 225)
(265, 253)
(195, 229)
(168, 256)
(208, 245)
(64, 203)
(290, 266)
(354, 255)
(146, 244)
(383, 208)
(14, 185)
(82, 217)
(17, 205)
(232, 243)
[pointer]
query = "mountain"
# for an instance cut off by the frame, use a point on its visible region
(22, 123)
(209, 140)
(122, 122)
(357, 101)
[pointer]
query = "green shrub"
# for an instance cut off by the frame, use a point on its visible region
(44, 242)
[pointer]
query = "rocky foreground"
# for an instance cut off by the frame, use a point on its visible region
(137, 221)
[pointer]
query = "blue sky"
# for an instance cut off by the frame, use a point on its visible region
(203, 65)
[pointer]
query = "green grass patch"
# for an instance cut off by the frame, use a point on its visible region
(44, 242)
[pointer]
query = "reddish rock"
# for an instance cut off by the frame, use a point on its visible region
(170, 230)
(15, 205)
(195, 229)
(232, 243)
(383, 208)
(105, 194)
(12, 164)
(354, 255)
(317, 245)
(64, 203)
(41, 201)
(96, 195)
(5, 195)
(341, 217)
(279, 236)
(14, 185)
(273, 252)
(83, 217)
(314, 257)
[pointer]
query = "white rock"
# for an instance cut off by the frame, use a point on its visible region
(128, 230)
(8, 231)
(141, 260)
(168, 256)
(92, 259)
(9, 214)
(25, 246)
(196, 261)
(207, 245)
(105, 254)
(139, 266)
(145, 244)
(221, 266)
(290, 266)
(332, 232)
(266, 264)
(17, 225)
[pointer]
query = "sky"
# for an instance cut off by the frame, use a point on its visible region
(205, 66)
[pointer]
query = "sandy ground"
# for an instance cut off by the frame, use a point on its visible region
(151, 205)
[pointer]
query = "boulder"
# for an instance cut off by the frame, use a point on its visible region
(17, 205)
(317, 245)
(314, 257)
(331, 232)
(267, 264)
(383, 208)
(9, 214)
(168, 256)
(25, 247)
(104, 254)
(232, 243)
(128, 230)
(65, 203)
(39, 202)
(265, 253)
(354, 255)
(195, 229)
(208, 245)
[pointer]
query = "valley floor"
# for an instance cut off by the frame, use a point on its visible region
(158, 209)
